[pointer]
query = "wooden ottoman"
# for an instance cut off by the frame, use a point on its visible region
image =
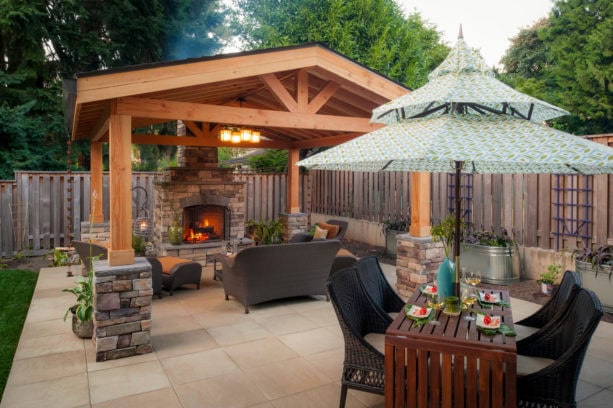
(177, 272)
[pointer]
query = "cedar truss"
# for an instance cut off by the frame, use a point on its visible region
(298, 97)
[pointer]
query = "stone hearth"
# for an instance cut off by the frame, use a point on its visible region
(197, 181)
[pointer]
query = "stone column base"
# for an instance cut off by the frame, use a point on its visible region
(417, 261)
(122, 309)
(293, 224)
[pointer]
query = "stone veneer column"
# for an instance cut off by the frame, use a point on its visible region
(100, 231)
(122, 309)
(293, 224)
(417, 261)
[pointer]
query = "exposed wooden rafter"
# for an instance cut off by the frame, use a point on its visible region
(161, 109)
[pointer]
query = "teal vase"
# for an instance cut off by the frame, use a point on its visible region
(445, 278)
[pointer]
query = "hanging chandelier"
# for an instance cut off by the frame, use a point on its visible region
(238, 135)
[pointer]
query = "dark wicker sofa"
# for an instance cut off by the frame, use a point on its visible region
(262, 273)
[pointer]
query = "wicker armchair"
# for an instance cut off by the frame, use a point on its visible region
(377, 287)
(555, 355)
(556, 305)
(363, 368)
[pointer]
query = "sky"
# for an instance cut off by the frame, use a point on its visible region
(487, 24)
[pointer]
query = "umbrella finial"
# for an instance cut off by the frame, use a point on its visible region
(460, 34)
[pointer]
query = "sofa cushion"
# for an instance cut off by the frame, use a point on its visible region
(320, 233)
(332, 229)
(169, 262)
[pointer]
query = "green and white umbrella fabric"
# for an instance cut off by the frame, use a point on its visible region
(463, 83)
(464, 120)
(492, 144)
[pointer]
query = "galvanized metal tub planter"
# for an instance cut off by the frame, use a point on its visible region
(498, 265)
(598, 279)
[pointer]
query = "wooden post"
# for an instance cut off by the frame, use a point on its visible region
(95, 190)
(293, 182)
(420, 205)
(120, 170)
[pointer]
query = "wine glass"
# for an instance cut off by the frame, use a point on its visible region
(436, 302)
(474, 278)
(468, 295)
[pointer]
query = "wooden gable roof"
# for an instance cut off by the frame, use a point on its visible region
(298, 97)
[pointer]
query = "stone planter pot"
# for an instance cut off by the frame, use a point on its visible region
(599, 280)
(83, 330)
(498, 265)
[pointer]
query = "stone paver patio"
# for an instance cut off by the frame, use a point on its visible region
(207, 353)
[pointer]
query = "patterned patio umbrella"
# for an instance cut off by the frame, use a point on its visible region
(464, 83)
(464, 120)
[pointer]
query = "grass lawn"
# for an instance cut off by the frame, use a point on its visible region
(16, 289)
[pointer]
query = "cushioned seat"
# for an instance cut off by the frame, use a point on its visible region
(177, 272)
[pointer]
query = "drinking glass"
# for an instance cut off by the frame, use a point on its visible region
(474, 278)
(436, 302)
(469, 297)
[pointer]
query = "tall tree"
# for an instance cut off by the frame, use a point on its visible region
(44, 41)
(373, 32)
(567, 60)
(580, 39)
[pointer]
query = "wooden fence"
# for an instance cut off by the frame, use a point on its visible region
(546, 211)
(38, 209)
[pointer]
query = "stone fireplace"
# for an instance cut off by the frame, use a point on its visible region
(208, 203)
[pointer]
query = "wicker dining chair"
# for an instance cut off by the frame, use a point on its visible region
(377, 287)
(555, 305)
(363, 368)
(549, 362)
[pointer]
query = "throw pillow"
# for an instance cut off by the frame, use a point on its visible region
(320, 233)
(332, 229)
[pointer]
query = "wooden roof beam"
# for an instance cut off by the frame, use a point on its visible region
(325, 141)
(162, 109)
(280, 92)
(171, 140)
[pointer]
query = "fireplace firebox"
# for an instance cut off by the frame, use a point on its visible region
(205, 223)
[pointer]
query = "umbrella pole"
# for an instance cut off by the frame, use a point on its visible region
(458, 221)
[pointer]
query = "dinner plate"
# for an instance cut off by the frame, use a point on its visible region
(427, 289)
(415, 311)
(494, 323)
(489, 297)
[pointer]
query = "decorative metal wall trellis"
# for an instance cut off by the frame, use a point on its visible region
(572, 208)
(466, 193)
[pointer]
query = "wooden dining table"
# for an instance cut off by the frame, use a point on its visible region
(452, 364)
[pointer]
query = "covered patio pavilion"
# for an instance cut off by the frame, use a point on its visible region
(298, 97)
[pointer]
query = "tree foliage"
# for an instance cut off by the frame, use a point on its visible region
(272, 161)
(42, 42)
(567, 60)
(372, 32)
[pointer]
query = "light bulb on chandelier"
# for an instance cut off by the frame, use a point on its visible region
(237, 135)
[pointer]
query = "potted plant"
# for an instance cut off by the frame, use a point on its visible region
(265, 233)
(391, 228)
(547, 279)
(595, 267)
(444, 232)
(494, 254)
(83, 310)
(175, 230)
